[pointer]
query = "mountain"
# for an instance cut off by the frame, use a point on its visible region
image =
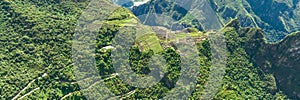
(165, 8)
(280, 59)
(36, 51)
(130, 3)
(277, 18)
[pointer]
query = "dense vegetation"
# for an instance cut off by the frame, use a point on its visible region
(36, 55)
(277, 59)
(36, 48)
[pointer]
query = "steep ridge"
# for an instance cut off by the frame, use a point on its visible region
(277, 18)
(280, 59)
(38, 40)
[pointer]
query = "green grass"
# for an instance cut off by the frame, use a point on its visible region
(149, 41)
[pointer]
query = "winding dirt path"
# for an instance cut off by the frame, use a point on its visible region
(110, 77)
(25, 88)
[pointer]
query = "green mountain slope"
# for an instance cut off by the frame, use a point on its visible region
(36, 48)
(280, 59)
(36, 55)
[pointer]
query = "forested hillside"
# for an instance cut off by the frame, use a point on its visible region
(280, 59)
(36, 48)
(36, 53)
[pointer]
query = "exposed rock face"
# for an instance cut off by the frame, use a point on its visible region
(277, 18)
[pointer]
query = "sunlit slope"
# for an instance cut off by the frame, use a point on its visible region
(36, 62)
(36, 49)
